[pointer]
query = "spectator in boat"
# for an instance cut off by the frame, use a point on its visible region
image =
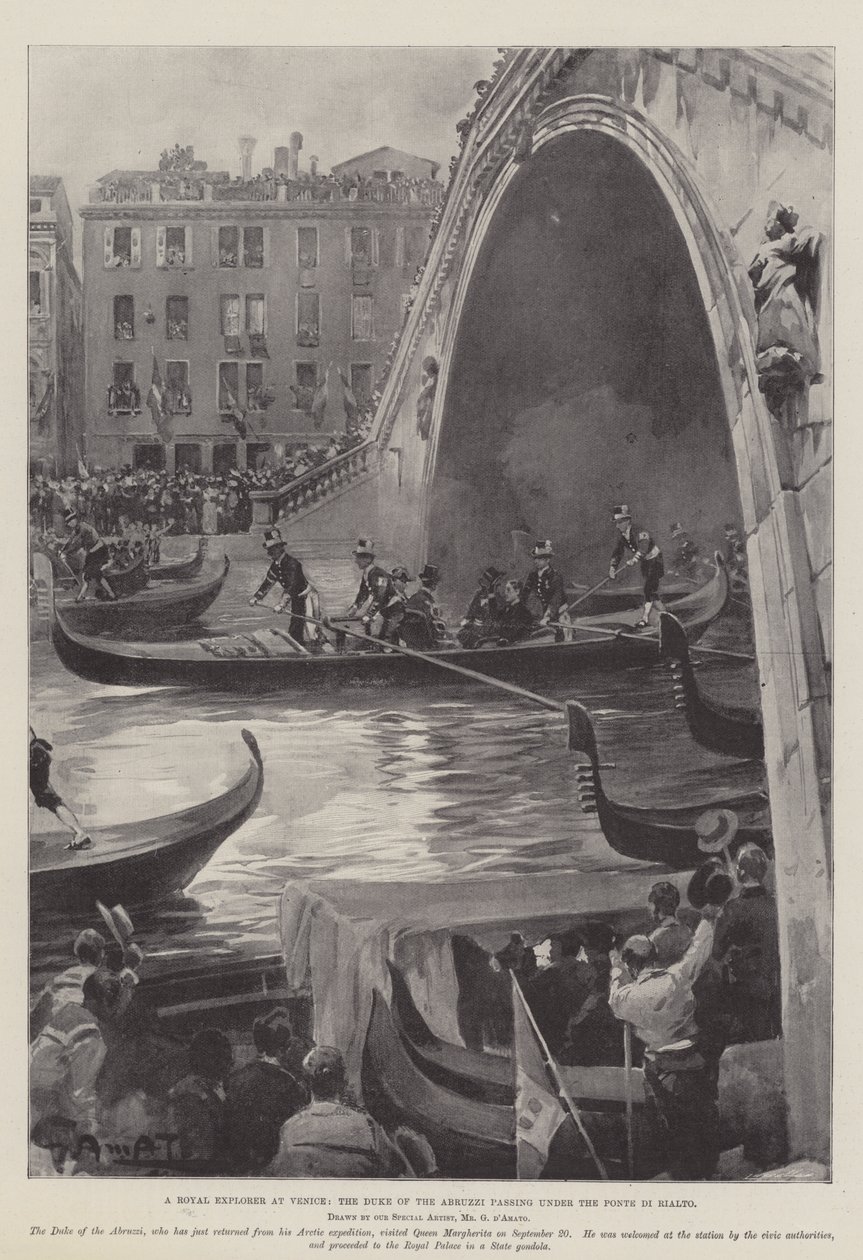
(124, 961)
(45, 795)
(329, 1137)
(684, 558)
(558, 992)
(747, 948)
(517, 957)
(514, 620)
(422, 615)
(670, 937)
(482, 608)
(84, 538)
(545, 584)
(67, 1055)
(68, 986)
(287, 572)
(660, 1005)
(198, 1100)
(593, 1035)
(262, 1095)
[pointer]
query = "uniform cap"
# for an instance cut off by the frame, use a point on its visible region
(364, 547)
(543, 549)
(401, 574)
(621, 512)
(272, 538)
(676, 528)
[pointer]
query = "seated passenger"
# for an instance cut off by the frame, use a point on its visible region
(481, 609)
(513, 621)
(422, 625)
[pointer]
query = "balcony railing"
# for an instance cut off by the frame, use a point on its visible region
(327, 190)
(270, 506)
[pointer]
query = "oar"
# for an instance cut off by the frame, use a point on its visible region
(609, 632)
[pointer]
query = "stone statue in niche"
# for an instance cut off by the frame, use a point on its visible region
(785, 275)
(425, 400)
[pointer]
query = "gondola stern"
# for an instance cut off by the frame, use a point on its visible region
(582, 737)
(673, 644)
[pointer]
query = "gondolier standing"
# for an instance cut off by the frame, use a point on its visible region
(376, 585)
(286, 571)
(644, 551)
(96, 555)
(46, 797)
(547, 585)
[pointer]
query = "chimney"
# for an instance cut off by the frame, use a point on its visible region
(247, 148)
(313, 165)
(295, 141)
(281, 160)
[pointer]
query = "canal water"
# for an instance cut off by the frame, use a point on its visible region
(379, 784)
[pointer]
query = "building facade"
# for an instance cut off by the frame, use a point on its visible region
(55, 342)
(268, 305)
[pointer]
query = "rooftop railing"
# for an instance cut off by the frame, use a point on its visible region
(327, 190)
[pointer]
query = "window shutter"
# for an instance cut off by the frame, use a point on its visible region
(189, 235)
(44, 291)
(109, 246)
(400, 246)
(136, 247)
(375, 245)
(348, 252)
(266, 240)
(214, 245)
(160, 246)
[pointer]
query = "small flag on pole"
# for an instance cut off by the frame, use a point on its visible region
(45, 403)
(351, 409)
(236, 413)
(538, 1109)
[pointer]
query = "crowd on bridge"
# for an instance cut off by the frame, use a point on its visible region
(112, 1088)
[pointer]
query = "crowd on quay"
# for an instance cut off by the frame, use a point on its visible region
(110, 1088)
(182, 503)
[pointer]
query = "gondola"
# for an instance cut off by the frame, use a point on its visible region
(270, 660)
(128, 579)
(657, 834)
(152, 609)
(474, 1138)
(185, 567)
(726, 728)
(139, 862)
(620, 595)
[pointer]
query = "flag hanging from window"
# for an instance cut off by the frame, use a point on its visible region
(157, 403)
(319, 402)
(234, 410)
(45, 403)
(351, 409)
(538, 1109)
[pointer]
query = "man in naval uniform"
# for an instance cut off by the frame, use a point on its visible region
(376, 585)
(644, 551)
(421, 611)
(547, 585)
(288, 573)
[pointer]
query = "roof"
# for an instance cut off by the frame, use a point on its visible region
(47, 184)
(384, 148)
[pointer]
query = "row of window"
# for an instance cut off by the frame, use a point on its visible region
(238, 385)
(249, 315)
(188, 456)
(233, 246)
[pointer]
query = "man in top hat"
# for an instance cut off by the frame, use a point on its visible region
(422, 612)
(481, 609)
(660, 1004)
(376, 586)
(96, 555)
(546, 584)
(287, 571)
(644, 551)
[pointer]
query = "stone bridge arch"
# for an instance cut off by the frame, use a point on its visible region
(789, 648)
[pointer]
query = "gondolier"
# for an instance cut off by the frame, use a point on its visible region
(644, 551)
(547, 585)
(46, 797)
(376, 585)
(423, 628)
(287, 571)
(96, 555)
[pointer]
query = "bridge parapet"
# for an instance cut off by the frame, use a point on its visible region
(271, 506)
